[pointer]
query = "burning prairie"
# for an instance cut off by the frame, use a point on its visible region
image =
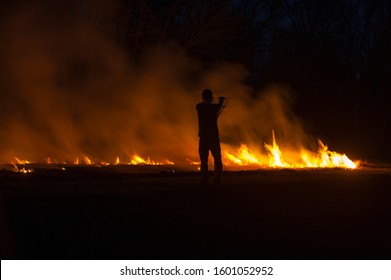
(242, 158)
(72, 96)
(300, 159)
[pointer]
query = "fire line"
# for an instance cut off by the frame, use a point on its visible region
(243, 157)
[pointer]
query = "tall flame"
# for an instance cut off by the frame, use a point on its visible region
(322, 159)
(275, 160)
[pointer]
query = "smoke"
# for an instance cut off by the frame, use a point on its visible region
(67, 90)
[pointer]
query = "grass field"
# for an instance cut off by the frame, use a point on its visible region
(95, 213)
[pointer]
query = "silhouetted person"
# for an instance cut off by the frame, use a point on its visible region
(208, 133)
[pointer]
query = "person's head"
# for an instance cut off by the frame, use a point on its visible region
(207, 95)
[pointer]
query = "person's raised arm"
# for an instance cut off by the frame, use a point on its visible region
(221, 104)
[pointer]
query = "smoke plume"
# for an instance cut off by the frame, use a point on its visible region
(67, 90)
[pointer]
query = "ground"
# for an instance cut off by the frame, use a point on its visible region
(92, 213)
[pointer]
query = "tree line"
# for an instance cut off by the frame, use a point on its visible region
(335, 54)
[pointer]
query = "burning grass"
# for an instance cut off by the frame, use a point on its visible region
(244, 157)
(323, 158)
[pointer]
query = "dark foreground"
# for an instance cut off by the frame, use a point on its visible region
(277, 214)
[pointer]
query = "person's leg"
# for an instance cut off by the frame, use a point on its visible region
(203, 150)
(216, 153)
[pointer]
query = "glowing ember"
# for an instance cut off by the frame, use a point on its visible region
(21, 170)
(191, 162)
(22, 162)
(196, 163)
(50, 160)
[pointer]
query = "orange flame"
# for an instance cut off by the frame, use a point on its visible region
(274, 157)
(21, 161)
(328, 158)
(85, 161)
(322, 159)
(21, 170)
(244, 157)
(138, 160)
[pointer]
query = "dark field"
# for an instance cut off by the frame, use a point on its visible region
(92, 213)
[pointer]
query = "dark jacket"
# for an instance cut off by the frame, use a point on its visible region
(208, 114)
